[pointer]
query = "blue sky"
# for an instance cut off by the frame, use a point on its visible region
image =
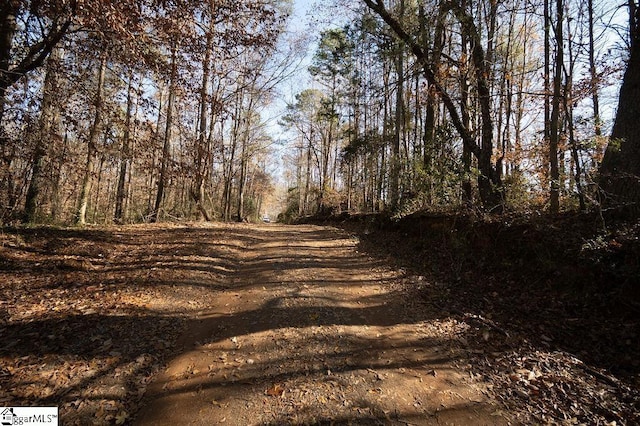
(298, 23)
(300, 10)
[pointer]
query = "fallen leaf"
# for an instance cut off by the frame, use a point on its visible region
(275, 390)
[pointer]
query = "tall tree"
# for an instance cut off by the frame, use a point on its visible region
(489, 179)
(92, 142)
(399, 119)
(203, 147)
(554, 125)
(593, 72)
(49, 130)
(51, 24)
(620, 169)
(302, 118)
(125, 154)
(168, 133)
(332, 66)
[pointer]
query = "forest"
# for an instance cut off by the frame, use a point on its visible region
(456, 185)
(165, 110)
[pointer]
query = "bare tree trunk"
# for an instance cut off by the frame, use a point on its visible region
(244, 160)
(554, 126)
(300, 148)
(57, 178)
(395, 162)
(431, 106)
(94, 134)
(465, 106)
(394, 174)
(574, 152)
(620, 169)
(166, 147)
(125, 156)
(385, 134)
(235, 135)
(506, 99)
(568, 109)
(96, 204)
(149, 189)
(49, 117)
(489, 179)
(8, 25)
(202, 154)
(243, 174)
(547, 90)
(595, 83)
(307, 178)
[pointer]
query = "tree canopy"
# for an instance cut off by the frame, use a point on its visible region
(151, 109)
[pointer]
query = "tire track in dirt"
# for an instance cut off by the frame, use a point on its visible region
(309, 331)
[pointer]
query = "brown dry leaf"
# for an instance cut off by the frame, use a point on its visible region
(275, 390)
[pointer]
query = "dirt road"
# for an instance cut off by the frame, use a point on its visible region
(301, 328)
(193, 323)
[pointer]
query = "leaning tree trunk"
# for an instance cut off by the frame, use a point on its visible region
(620, 169)
(11, 72)
(490, 186)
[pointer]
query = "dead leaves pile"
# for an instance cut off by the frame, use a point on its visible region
(557, 388)
(538, 385)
